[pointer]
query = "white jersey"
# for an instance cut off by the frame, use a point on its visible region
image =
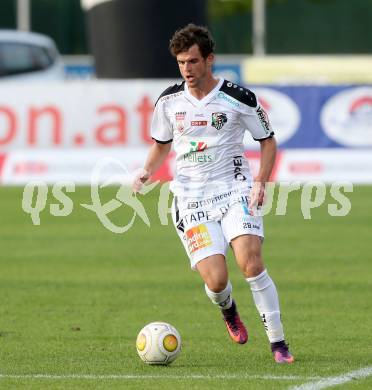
(207, 136)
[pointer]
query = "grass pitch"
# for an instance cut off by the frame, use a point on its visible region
(74, 296)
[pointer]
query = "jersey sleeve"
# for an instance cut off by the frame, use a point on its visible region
(256, 121)
(161, 127)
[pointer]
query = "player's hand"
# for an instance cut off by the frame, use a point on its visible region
(139, 180)
(257, 195)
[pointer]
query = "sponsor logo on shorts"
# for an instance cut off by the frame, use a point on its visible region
(224, 209)
(199, 216)
(192, 205)
(218, 120)
(219, 198)
(198, 237)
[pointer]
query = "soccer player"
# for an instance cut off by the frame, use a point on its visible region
(215, 197)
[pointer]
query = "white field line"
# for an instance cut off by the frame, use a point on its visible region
(133, 376)
(336, 380)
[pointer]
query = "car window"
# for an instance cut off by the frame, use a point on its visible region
(16, 58)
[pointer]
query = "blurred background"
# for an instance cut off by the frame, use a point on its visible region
(79, 78)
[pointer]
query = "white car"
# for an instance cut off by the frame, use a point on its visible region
(26, 56)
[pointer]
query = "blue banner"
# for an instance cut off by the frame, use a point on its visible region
(319, 116)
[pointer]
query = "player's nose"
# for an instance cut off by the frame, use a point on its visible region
(187, 66)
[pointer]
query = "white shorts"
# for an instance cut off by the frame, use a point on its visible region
(207, 226)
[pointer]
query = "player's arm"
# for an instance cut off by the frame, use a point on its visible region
(267, 161)
(257, 122)
(157, 155)
(268, 154)
(162, 134)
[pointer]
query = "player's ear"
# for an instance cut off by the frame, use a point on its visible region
(210, 59)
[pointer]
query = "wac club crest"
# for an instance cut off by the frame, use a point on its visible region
(218, 120)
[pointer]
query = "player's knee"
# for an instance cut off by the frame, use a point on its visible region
(216, 284)
(252, 271)
(253, 266)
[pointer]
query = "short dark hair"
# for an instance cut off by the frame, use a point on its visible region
(190, 35)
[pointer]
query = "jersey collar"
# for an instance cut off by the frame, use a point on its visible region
(207, 98)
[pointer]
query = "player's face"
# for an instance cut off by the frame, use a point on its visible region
(193, 67)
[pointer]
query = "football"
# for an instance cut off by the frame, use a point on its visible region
(158, 343)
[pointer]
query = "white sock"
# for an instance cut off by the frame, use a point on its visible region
(266, 299)
(223, 298)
